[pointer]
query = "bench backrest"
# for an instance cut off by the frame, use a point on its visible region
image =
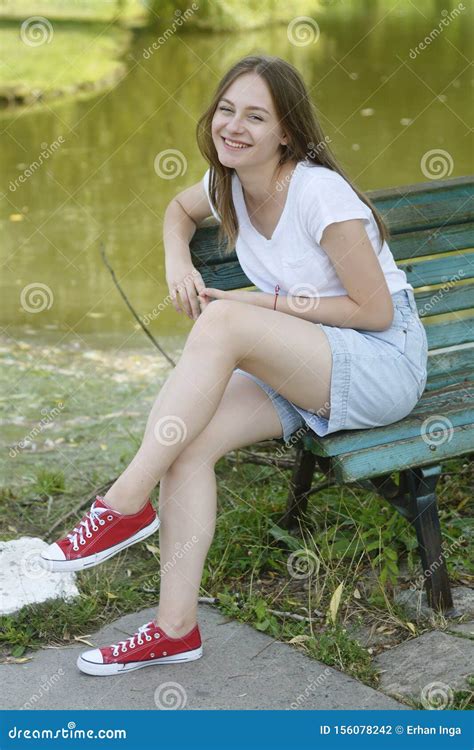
(432, 240)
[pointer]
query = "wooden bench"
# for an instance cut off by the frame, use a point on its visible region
(431, 239)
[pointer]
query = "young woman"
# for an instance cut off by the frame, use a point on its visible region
(331, 340)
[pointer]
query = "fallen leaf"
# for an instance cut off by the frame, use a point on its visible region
(335, 602)
(300, 639)
(151, 548)
(83, 639)
(13, 660)
(411, 627)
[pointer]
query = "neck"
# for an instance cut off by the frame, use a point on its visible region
(260, 183)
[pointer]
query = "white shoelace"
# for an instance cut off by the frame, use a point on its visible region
(130, 642)
(90, 518)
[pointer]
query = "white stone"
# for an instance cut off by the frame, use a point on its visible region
(22, 579)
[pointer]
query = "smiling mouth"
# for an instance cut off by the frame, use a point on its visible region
(235, 144)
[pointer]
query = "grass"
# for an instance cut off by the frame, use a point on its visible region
(73, 57)
(339, 572)
(126, 11)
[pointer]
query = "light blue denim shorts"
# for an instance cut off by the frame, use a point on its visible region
(377, 377)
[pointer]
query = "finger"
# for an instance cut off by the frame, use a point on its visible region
(175, 300)
(192, 297)
(183, 298)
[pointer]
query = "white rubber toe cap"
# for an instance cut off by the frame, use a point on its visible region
(54, 553)
(94, 656)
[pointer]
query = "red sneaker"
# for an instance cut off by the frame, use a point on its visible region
(102, 533)
(149, 645)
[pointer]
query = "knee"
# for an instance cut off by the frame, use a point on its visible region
(217, 316)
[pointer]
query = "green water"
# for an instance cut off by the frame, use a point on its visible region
(101, 182)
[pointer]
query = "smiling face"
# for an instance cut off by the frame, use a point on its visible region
(245, 127)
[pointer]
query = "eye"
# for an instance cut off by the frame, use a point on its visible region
(227, 109)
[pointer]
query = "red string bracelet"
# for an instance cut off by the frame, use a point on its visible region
(277, 289)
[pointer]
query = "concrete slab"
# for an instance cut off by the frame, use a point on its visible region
(416, 603)
(241, 668)
(24, 581)
(428, 668)
(465, 628)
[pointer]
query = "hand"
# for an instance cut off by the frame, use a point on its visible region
(184, 284)
(207, 294)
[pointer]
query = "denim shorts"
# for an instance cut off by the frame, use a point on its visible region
(377, 377)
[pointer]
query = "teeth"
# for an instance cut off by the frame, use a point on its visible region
(234, 144)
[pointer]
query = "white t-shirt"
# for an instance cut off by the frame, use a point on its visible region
(293, 257)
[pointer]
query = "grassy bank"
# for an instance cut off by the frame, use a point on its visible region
(339, 574)
(74, 58)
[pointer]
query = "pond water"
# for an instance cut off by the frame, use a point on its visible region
(383, 105)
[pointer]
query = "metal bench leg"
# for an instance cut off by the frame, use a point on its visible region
(422, 484)
(301, 482)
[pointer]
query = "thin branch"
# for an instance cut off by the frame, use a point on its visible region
(127, 302)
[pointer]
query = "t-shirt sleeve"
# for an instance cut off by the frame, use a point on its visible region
(205, 182)
(329, 200)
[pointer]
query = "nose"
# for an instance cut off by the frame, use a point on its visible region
(234, 125)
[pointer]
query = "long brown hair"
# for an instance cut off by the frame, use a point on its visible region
(297, 117)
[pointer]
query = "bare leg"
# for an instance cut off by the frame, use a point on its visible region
(291, 354)
(188, 498)
(182, 410)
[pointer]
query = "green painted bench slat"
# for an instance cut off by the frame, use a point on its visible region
(449, 378)
(450, 332)
(384, 459)
(455, 402)
(439, 270)
(445, 299)
(224, 276)
(430, 241)
(432, 204)
(450, 360)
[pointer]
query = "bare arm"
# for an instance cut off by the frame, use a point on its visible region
(182, 216)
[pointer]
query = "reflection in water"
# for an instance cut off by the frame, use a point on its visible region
(382, 110)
